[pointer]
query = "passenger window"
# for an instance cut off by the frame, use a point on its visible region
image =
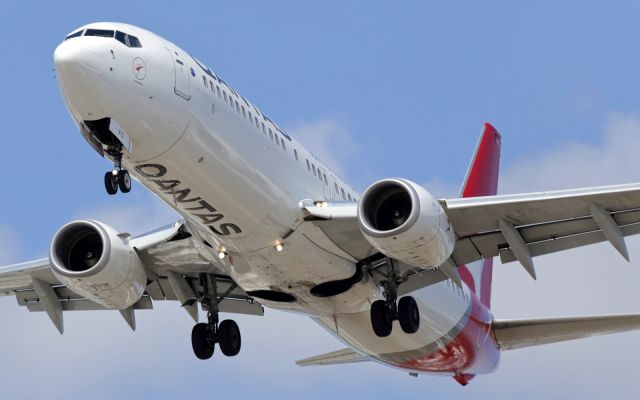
(308, 165)
(213, 90)
(277, 140)
(343, 196)
(218, 90)
(257, 123)
(250, 118)
(336, 186)
(320, 175)
(237, 106)
(271, 136)
(225, 96)
(313, 167)
(244, 113)
(283, 146)
(349, 196)
(295, 153)
(204, 81)
(326, 182)
(264, 130)
(133, 41)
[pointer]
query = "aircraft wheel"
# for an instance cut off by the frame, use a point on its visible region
(229, 338)
(202, 341)
(381, 319)
(408, 314)
(111, 183)
(124, 181)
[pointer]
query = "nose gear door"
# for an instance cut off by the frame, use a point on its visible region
(183, 82)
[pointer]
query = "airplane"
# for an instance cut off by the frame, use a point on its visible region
(400, 277)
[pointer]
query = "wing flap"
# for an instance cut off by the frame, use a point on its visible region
(476, 215)
(82, 304)
(518, 334)
(336, 357)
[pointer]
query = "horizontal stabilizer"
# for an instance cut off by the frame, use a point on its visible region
(516, 334)
(337, 357)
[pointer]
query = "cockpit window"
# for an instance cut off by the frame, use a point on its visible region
(133, 41)
(99, 32)
(121, 37)
(128, 40)
(74, 34)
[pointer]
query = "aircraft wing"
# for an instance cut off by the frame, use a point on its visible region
(515, 227)
(517, 334)
(174, 260)
(345, 356)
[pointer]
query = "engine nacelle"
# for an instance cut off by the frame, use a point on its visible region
(403, 221)
(92, 260)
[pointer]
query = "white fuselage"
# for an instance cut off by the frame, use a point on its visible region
(238, 180)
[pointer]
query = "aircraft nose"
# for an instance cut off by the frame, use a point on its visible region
(77, 68)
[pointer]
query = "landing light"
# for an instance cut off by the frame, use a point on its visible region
(222, 254)
(322, 204)
(279, 247)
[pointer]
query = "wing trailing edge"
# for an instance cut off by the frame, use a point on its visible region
(516, 334)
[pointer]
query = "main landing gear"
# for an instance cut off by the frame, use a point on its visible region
(226, 334)
(118, 178)
(384, 312)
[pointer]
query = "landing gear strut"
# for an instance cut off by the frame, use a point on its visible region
(226, 334)
(118, 177)
(384, 312)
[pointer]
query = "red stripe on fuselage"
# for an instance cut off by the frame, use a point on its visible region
(472, 351)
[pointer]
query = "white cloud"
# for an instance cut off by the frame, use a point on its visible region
(442, 190)
(135, 214)
(329, 140)
(9, 247)
(567, 165)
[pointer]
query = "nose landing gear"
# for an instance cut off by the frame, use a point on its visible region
(226, 334)
(118, 178)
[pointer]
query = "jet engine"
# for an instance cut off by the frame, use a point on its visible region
(91, 259)
(403, 221)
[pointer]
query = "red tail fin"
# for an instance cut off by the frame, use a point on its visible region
(482, 176)
(482, 180)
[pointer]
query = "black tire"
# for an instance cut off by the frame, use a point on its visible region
(408, 315)
(381, 319)
(202, 341)
(124, 181)
(229, 338)
(110, 183)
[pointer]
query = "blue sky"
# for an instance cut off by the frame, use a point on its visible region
(377, 89)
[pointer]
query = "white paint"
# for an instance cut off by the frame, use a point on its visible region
(236, 173)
